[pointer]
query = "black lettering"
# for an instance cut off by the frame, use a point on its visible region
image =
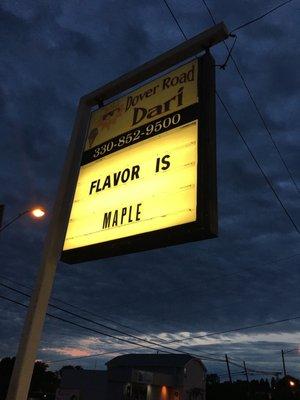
(129, 216)
(166, 83)
(93, 185)
(174, 81)
(191, 73)
(106, 220)
(124, 211)
(116, 177)
(154, 89)
(180, 97)
(138, 212)
(167, 103)
(157, 164)
(135, 172)
(139, 114)
(106, 182)
(128, 104)
(125, 175)
(98, 186)
(154, 111)
(166, 163)
(115, 219)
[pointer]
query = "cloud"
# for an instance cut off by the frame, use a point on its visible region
(68, 351)
(55, 52)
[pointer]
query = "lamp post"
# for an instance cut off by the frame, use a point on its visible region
(36, 212)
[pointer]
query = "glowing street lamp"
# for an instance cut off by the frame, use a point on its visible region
(36, 212)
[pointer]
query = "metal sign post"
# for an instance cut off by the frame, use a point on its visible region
(32, 330)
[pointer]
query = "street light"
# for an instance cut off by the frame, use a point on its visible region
(36, 212)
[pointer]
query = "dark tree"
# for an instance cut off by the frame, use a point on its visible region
(6, 367)
(42, 382)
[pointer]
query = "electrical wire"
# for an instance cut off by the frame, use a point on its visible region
(260, 325)
(204, 357)
(265, 125)
(239, 132)
(134, 343)
(80, 326)
(79, 308)
(258, 165)
(167, 349)
(177, 289)
(129, 327)
(95, 322)
(261, 16)
(147, 341)
(175, 19)
(291, 351)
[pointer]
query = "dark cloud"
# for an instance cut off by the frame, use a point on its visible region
(53, 53)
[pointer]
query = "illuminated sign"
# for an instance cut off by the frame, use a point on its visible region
(139, 184)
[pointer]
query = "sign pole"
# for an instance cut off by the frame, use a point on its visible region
(32, 330)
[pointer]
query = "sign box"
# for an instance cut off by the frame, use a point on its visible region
(148, 173)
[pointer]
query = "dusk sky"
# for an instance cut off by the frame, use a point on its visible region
(52, 53)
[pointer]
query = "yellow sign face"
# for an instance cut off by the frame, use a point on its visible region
(158, 98)
(145, 187)
(139, 167)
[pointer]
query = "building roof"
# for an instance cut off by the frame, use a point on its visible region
(151, 360)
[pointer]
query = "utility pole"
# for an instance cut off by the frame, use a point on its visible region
(247, 378)
(228, 368)
(283, 363)
(246, 372)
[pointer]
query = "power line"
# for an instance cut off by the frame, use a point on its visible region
(261, 16)
(144, 340)
(291, 351)
(83, 318)
(157, 338)
(238, 130)
(175, 19)
(92, 321)
(62, 319)
(79, 308)
(209, 12)
(237, 329)
(263, 121)
(222, 276)
(257, 163)
(112, 336)
(80, 326)
(265, 125)
(95, 322)
(118, 338)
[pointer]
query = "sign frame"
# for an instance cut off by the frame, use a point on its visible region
(205, 226)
